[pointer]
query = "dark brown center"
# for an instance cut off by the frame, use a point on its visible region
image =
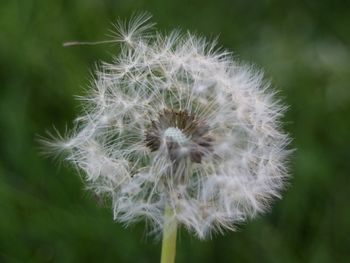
(199, 141)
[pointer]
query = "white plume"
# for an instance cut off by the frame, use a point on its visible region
(223, 170)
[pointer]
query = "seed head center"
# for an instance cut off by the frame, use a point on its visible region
(183, 134)
(176, 135)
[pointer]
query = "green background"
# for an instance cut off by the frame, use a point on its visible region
(303, 46)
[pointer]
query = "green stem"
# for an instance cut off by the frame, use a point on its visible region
(169, 237)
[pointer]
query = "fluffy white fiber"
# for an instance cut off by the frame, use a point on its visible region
(220, 171)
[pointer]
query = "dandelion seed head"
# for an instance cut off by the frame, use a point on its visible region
(174, 122)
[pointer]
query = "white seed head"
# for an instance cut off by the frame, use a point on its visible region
(172, 122)
(176, 135)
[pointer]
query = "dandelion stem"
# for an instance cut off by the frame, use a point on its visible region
(169, 237)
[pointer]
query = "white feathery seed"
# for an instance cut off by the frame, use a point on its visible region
(172, 122)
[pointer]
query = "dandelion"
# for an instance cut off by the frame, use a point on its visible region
(179, 133)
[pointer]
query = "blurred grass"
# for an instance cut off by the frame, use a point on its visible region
(46, 216)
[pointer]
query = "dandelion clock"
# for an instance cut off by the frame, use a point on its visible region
(180, 134)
